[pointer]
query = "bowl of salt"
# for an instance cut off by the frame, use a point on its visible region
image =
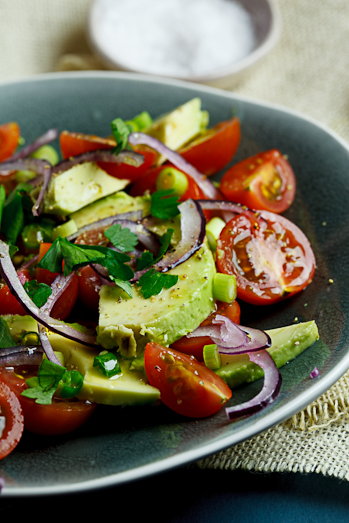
(207, 41)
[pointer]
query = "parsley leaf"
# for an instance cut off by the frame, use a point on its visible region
(38, 292)
(6, 339)
(163, 205)
(147, 258)
(51, 379)
(152, 282)
(2, 200)
(76, 256)
(121, 132)
(121, 237)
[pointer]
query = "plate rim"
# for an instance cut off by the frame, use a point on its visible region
(262, 424)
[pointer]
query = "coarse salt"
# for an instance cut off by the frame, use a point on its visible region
(178, 38)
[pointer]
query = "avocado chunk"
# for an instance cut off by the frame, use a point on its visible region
(130, 323)
(126, 388)
(287, 343)
(178, 127)
(79, 186)
(117, 203)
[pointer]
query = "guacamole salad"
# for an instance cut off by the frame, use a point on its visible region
(124, 268)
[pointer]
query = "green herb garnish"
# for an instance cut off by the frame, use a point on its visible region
(38, 292)
(152, 282)
(6, 339)
(53, 378)
(121, 237)
(163, 205)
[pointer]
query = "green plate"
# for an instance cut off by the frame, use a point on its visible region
(118, 445)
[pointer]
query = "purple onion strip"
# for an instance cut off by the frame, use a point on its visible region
(100, 155)
(46, 345)
(10, 277)
(270, 390)
(106, 222)
(46, 138)
(203, 182)
(21, 355)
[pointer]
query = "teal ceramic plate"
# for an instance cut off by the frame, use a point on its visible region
(119, 445)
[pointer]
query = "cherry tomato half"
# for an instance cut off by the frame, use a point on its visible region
(186, 386)
(264, 182)
(73, 144)
(12, 416)
(59, 417)
(8, 302)
(194, 346)
(214, 148)
(9, 138)
(270, 256)
(64, 305)
(89, 287)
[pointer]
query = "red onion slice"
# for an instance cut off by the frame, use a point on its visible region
(101, 155)
(231, 338)
(10, 277)
(21, 355)
(46, 138)
(46, 345)
(270, 390)
(203, 182)
(106, 222)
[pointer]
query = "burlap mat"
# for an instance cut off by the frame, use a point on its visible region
(308, 71)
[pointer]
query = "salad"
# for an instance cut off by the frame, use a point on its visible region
(123, 268)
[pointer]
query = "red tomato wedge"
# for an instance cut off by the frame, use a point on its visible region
(89, 287)
(214, 148)
(194, 346)
(8, 302)
(11, 420)
(186, 386)
(9, 138)
(270, 256)
(59, 417)
(73, 144)
(264, 182)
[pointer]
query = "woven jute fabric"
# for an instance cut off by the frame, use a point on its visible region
(308, 71)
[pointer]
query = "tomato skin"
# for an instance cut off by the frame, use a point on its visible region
(8, 302)
(9, 138)
(215, 148)
(11, 410)
(64, 305)
(186, 386)
(89, 287)
(194, 346)
(59, 417)
(271, 257)
(72, 144)
(265, 181)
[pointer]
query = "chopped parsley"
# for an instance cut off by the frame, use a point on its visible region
(147, 258)
(53, 379)
(38, 292)
(163, 205)
(121, 237)
(6, 339)
(152, 282)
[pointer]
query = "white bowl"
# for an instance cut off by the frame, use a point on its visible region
(127, 39)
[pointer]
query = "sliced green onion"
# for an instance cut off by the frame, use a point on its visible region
(70, 384)
(170, 178)
(64, 230)
(46, 152)
(25, 176)
(107, 363)
(140, 122)
(224, 287)
(213, 229)
(30, 338)
(35, 233)
(212, 358)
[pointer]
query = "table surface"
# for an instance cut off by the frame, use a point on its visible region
(196, 495)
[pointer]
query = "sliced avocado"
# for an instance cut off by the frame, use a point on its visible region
(176, 128)
(129, 323)
(287, 343)
(79, 186)
(126, 388)
(117, 203)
